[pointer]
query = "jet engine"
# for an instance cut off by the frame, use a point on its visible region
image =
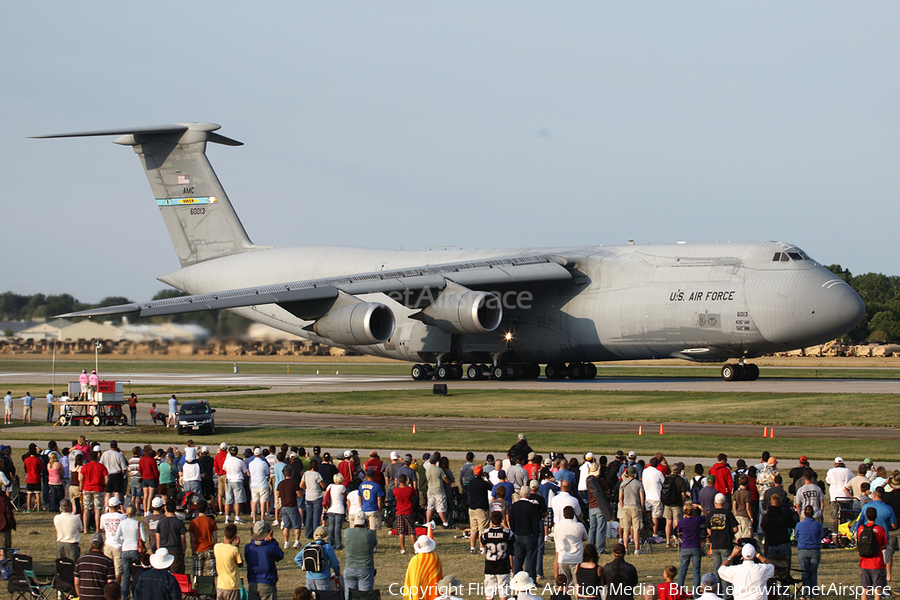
(461, 310)
(358, 324)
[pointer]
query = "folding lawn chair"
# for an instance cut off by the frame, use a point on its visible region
(205, 586)
(18, 586)
(64, 580)
(328, 594)
(365, 595)
(37, 589)
(187, 590)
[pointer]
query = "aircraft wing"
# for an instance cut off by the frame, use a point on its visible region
(309, 299)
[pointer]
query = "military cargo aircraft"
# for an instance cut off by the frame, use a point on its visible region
(496, 314)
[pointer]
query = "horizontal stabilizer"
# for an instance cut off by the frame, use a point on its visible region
(179, 128)
(308, 299)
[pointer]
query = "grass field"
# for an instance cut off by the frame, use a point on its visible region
(483, 442)
(682, 407)
(34, 536)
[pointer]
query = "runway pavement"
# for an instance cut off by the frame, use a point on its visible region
(332, 382)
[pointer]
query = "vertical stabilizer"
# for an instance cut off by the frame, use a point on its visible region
(200, 219)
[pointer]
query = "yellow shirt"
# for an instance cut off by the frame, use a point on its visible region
(422, 576)
(228, 559)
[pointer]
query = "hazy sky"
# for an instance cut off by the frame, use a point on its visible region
(480, 124)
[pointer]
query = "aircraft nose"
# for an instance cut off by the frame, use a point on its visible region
(835, 309)
(851, 308)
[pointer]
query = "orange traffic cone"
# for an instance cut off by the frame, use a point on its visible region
(772, 432)
(765, 432)
(640, 430)
(414, 428)
(431, 529)
(661, 432)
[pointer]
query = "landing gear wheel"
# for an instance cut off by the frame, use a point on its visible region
(576, 371)
(590, 371)
(521, 370)
(456, 372)
(740, 372)
(429, 373)
(498, 372)
(417, 372)
(96, 421)
(442, 373)
(729, 373)
(534, 371)
(751, 372)
(555, 371)
(473, 373)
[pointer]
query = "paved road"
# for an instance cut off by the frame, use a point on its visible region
(346, 383)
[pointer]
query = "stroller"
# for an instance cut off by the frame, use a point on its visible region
(845, 537)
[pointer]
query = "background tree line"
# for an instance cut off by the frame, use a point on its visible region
(881, 293)
(16, 307)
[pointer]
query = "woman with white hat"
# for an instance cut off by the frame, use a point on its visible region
(158, 583)
(424, 571)
(522, 585)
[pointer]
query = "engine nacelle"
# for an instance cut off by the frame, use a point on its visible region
(459, 310)
(358, 324)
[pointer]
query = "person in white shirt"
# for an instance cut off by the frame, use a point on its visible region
(109, 523)
(116, 467)
(749, 578)
(130, 536)
(583, 475)
(259, 485)
(190, 472)
(569, 536)
(653, 479)
(837, 479)
(562, 500)
(68, 532)
(235, 469)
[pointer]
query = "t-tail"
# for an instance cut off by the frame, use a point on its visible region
(200, 219)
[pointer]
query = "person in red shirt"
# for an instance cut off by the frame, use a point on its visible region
(347, 468)
(34, 466)
(149, 472)
(724, 481)
(669, 590)
(93, 485)
(219, 467)
(872, 569)
(376, 464)
(406, 522)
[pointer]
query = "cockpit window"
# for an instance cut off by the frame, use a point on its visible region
(795, 255)
(788, 256)
(784, 257)
(777, 257)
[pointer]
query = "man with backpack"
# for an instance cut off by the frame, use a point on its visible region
(871, 541)
(673, 495)
(319, 560)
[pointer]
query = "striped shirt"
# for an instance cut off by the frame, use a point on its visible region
(93, 571)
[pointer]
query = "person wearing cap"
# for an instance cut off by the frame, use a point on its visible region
(503, 482)
(708, 495)
(523, 586)
(172, 417)
(449, 587)
(171, 534)
(837, 479)
(262, 554)
(359, 567)
(748, 578)
(423, 572)
(346, 466)
(158, 583)
(412, 475)
(620, 576)
(796, 475)
(631, 461)
(93, 570)
(235, 471)
(94, 383)
(130, 538)
(488, 464)
(375, 463)
(321, 580)
(390, 482)
(151, 520)
(68, 532)
(109, 523)
(707, 587)
(598, 506)
(721, 527)
(631, 507)
(259, 471)
(479, 503)
(583, 469)
(526, 520)
(219, 470)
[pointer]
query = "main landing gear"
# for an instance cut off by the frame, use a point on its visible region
(740, 372)
(476, 372)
